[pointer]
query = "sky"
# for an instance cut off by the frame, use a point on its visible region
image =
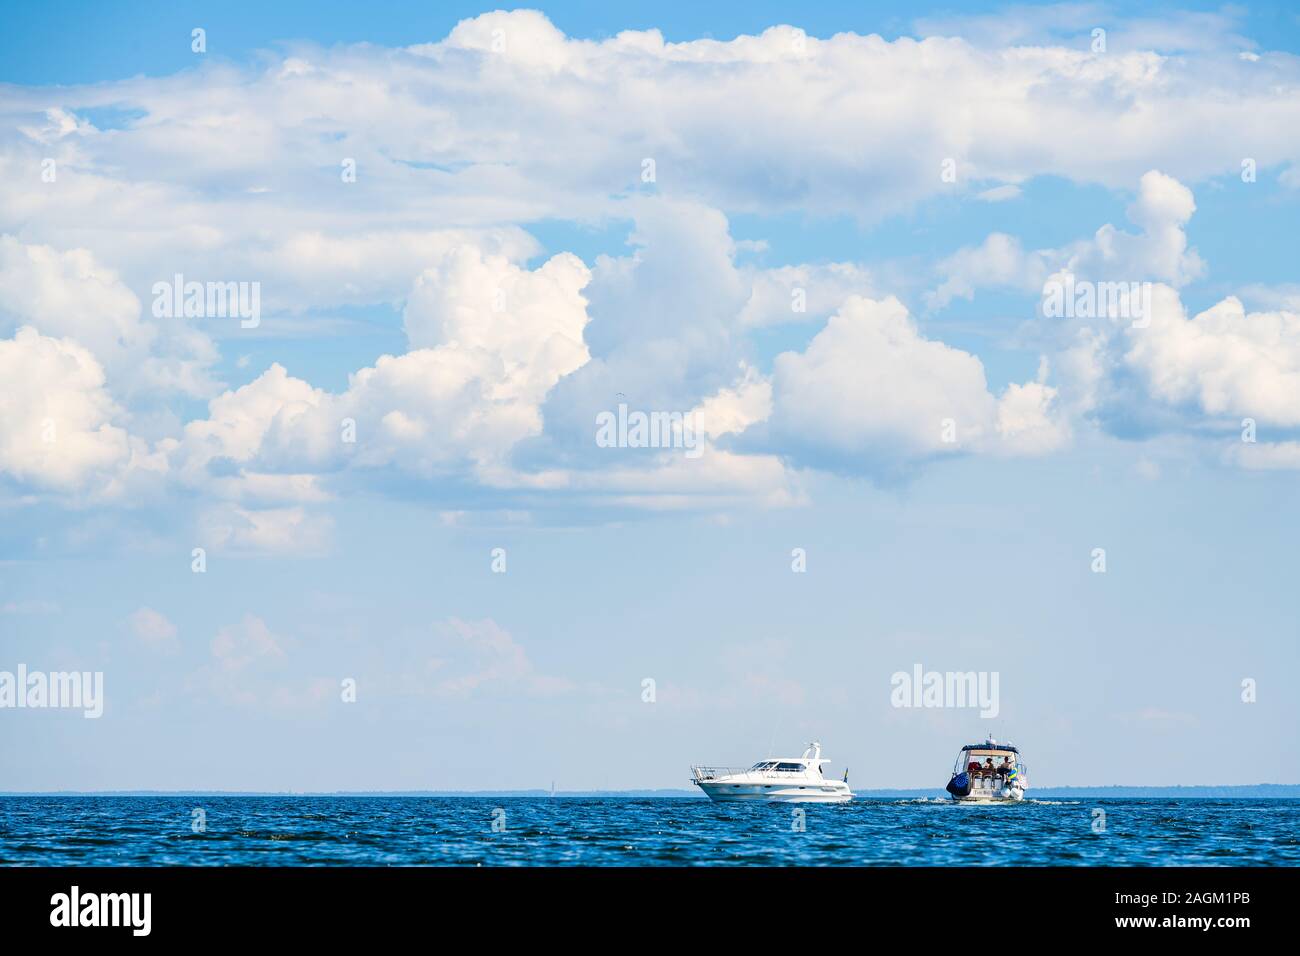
(365, 534)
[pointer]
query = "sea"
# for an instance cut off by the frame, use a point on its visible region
(212, 830)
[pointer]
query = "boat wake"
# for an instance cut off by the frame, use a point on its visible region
(945, 801)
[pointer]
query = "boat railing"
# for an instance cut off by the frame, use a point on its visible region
(713, 773)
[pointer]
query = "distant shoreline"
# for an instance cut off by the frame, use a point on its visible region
(1206, 792)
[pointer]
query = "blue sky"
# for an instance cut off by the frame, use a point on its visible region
(500, 271)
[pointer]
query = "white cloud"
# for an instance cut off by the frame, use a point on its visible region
(250, 668)
(56, 416)
(238, 424)
(472, 656)
(310, 269)
(69, 294)
(870, 391)
(237, 170)
(291, 530)
(250, 642)
(1029, 420)
(233, 173)
(491, 340)
(1071, 24)
(72, 294)
(153, 630)
(998, 261)
(1000, 193)
(731, 410)
(1224, 360)
(772, 298)
(1162, 209)
(528, 323)
(668, 481)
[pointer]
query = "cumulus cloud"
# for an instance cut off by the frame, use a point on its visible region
(526, 325)
(69, 294)
(1159, 252)
(72, 294)
(802, 292)
(237, 169)
(57, 426)
(491, 340)
(232, 173)
(1223, 361)
(664, 328)
(999, 261)
(1162, 210)
(871, 392)
(1138, 374)
(216, 452)
(731, 410)
(1029, 420)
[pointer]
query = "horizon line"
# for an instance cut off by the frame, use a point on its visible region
(670, 791)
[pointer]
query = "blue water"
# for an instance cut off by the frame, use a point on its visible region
(399, 831)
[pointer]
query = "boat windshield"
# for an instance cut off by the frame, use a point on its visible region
(764, 765)
(985, 759)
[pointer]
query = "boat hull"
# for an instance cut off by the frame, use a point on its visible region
(724, 792)
(1007, 795)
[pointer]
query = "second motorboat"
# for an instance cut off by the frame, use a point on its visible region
(989, 773)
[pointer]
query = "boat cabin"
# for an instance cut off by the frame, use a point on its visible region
(784, 766)
(988, 759)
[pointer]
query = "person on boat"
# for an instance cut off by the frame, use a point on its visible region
(1007, 767)
(988, 769)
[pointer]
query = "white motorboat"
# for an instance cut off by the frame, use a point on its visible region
(775, 780)
(989, 773)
